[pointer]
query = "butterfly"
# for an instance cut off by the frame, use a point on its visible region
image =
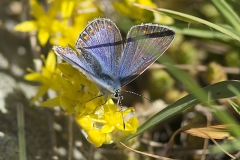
(101, 55)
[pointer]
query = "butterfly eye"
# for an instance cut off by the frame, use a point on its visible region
(116, 94)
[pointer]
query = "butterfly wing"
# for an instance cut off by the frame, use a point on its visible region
(145, 44)
(97, 54)
(85, 62)
(102, 38)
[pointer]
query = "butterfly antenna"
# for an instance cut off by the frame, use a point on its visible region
(150, 100)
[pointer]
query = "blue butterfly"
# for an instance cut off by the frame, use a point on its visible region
(100, 53)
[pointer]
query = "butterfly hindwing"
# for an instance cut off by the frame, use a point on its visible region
(145, 44)
(103, 40)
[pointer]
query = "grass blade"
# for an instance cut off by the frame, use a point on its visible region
(217, 91)
(190, 19)
(228, 13)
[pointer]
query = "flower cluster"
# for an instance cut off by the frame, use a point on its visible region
(47, 77)
(107, 124)
(102, 121)
(61, 25)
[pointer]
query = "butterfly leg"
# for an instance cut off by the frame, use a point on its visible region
(105, 101)
(95, 98)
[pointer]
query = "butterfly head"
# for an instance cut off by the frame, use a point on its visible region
(118, 95)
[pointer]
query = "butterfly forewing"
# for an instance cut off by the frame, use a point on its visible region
(85, 62)
(102, 38)
(145, 44)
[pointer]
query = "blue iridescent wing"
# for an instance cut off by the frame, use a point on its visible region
(103, 40)
(145, 44)
(97, 53)
(82, 61)
(90, 67)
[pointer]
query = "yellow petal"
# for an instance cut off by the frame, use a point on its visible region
(85, 122)
(117, 120)
(96, 137)
(51, 102)
(108, 138)
(43, 36)
(36, 9)
(51, 61)
(67, 8)
(97, 118)
(67, 70)
(71, 92)
(90, 107)
(127, 111)
(37, 77)
(133, 121)
(54, 9)
(147, 3)
(67, 104)
(55, 85)
(26, 26)
(127, 128)
(110, 108)
(42, 90)
(110, 102)
(80, 109)
(107, 128)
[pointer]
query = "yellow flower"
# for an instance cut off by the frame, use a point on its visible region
(76, 91)
(107, 124)
(141, 15)
(96, 137)
(67, 33)
(66, 28)
(44, 23)
(102, 122)
(61, 24)
(47, 77)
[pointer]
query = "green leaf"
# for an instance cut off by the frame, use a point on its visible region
(190, 19)
(216, 91)
(199, 31)
(226, 10)
(229, 147)
(235, 106)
